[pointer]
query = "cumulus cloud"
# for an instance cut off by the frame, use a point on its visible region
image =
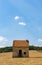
(3, 39)
(20, 20)
(22, 23)
(17, 17)
(4, 42)
(39, 40)
(2, 46)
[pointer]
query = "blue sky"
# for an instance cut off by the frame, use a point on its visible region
(20, 20)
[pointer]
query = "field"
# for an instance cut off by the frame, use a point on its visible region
(35, 58)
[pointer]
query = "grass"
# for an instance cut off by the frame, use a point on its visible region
(35, 58)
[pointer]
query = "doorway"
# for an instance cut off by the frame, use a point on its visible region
(20, 53)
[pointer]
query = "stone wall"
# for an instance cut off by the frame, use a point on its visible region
(25, 51)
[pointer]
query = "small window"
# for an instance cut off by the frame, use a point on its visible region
(25, 53)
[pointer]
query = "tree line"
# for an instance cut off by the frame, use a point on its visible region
(35, 48)
(6, 49)
(9, 49)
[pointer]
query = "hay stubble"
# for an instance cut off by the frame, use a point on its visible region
(35, 58)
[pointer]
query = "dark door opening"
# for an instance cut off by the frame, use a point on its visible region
(20, 53)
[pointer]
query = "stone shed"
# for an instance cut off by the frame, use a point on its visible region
(20, 48)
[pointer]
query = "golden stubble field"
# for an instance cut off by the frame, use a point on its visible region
(35, 58)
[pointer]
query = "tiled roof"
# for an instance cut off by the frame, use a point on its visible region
(21, 43)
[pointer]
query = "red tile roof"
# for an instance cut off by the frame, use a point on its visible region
(21, 43)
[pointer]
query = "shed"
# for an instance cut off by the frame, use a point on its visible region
(20, 48)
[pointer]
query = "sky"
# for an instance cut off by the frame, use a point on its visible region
(20, 20)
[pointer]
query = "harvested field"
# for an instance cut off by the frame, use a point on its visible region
(35, 58)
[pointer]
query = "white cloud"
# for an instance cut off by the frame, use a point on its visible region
(3, 39)
(4, 42)
(22, 23)
(17, 17)
(39, 40)
(2, 46)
